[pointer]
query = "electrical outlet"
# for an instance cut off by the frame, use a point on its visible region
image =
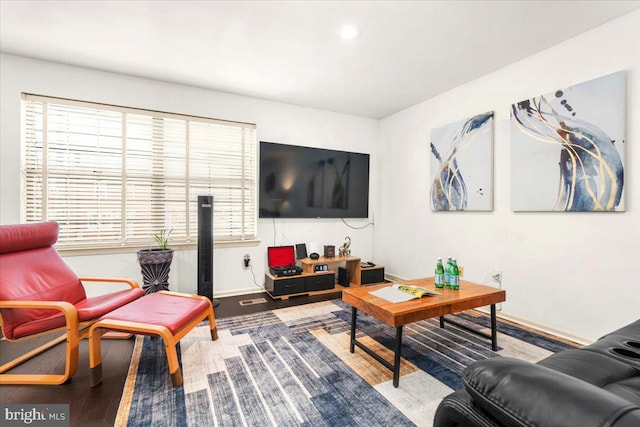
(247, 260)
(497, 276)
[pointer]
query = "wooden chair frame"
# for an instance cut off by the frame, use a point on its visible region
(170, 340)
(74, 332)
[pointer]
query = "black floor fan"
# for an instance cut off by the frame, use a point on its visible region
(205, 248)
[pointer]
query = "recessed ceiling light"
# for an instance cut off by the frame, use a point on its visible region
(349, 32)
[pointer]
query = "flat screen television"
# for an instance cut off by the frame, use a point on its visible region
(305, 182)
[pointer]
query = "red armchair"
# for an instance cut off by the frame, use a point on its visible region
(40, 294)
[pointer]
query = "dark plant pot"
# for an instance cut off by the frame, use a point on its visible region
(155, 265)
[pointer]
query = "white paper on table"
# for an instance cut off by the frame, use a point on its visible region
(393, 294)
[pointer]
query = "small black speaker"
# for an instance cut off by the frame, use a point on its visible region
(205, 248)
(373, 274)
(343, 276)
(301, 250)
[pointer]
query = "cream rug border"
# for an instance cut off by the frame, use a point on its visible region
(130, 383)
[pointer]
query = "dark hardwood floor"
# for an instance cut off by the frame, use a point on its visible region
(97, 406)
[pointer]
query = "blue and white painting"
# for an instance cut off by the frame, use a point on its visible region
(462, 165)
(567, 148)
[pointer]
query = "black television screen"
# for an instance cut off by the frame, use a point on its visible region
(304, 182)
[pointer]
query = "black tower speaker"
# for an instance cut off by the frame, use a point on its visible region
(205, 248)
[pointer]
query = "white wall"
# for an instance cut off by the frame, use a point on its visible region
(569, 272)
(275, 122)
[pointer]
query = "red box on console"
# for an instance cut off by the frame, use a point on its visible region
(279, 256)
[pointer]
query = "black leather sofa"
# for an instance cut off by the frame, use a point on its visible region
(598, 385)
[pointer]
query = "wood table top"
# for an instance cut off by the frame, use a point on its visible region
(470, 295)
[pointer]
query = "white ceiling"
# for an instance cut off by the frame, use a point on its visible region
(289, 51)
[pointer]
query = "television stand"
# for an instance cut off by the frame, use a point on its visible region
(310, 282)
(351, 263)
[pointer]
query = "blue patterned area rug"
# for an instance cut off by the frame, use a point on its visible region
(292, 366)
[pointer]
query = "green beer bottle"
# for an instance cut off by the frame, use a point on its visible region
(447, 273)
(455, 275)
(439, 274)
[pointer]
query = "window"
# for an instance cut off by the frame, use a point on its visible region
(113, 176)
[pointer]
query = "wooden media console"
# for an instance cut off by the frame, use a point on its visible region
(311, 282)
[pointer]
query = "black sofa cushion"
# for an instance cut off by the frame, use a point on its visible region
(597, 369)
(518, 393)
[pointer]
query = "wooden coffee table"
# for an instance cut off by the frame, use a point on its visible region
(470, 295)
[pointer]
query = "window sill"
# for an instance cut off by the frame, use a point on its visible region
(135, 248)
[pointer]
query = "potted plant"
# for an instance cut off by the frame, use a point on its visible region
(155, 263)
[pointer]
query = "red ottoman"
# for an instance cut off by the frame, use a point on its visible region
(169, 315)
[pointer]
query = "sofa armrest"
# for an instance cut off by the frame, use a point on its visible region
(459, 410)
(519, 393)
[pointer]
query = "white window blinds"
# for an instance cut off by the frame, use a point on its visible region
(114, 176)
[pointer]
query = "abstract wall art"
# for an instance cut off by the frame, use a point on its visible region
(462, 165)
(568, 148)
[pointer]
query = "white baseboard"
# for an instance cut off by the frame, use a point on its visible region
(539, 327)
(236, 292)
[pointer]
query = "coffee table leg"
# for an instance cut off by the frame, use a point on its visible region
(494, 332)
(396, 360)
(442, 321)
(354, 312)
